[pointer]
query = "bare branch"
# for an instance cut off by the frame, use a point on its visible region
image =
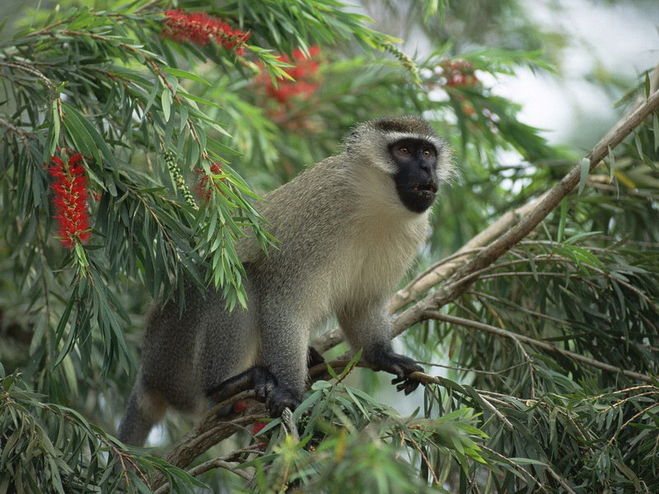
(222, 462)
(207, 434)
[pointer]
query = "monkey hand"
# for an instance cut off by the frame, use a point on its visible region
(280, 398)
(401, 366)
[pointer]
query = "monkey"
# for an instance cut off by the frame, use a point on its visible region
(348, 229)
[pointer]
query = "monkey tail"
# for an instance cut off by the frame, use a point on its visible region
(144, 410)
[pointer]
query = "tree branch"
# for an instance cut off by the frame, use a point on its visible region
(221, 462)
(207, 434)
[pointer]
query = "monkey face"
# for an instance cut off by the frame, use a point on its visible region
(416, 172)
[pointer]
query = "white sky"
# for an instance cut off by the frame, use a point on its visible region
(623, 39)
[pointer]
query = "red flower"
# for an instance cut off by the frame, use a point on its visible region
(200, 28)
(70, 199)
(257, 426)
(240, 406)
(206, 183)
(303, 72)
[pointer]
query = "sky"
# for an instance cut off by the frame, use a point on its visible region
(623, 39)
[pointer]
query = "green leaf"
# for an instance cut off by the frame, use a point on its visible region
(583, 174)
(186, 75)
(562, 220)
(85, 136)
(166, 100)
(55, 129)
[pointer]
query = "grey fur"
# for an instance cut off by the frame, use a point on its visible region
(345, 241)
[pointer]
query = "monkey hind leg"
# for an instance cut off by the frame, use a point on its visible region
(257, 377)
(314, 357)
(144, 410)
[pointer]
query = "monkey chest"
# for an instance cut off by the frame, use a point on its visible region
(370, 266)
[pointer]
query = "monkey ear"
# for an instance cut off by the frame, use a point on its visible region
(350, 138)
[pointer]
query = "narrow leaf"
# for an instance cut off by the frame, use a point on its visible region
(585, 168)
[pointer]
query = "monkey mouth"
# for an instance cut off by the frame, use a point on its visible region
(417, 197)
(427, 190)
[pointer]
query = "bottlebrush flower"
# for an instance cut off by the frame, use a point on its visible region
(70, 199)
(201, 28)
(303, 72)
(207, 182)
(258, 425)
(458, 73)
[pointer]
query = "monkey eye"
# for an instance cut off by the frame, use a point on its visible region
(427, 153)
(404, 150)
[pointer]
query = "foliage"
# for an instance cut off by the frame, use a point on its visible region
(52, 448)
(162, 122)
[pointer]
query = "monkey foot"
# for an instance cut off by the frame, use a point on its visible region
(280, 398)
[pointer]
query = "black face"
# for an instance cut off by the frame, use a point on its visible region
(416, 183)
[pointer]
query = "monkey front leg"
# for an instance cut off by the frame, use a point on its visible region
(368, 327)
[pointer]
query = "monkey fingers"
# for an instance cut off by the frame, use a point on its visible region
(406, 384)
(402, 367)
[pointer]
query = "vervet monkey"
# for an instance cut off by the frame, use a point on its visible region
(348, 229)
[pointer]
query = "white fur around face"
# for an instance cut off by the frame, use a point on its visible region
(391, 137)
(373, 147)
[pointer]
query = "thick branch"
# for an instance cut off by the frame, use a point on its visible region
(443, 270)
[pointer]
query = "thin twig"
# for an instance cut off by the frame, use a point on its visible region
(631, 419)
(537, 343)
(512, 463)
(23, 134)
